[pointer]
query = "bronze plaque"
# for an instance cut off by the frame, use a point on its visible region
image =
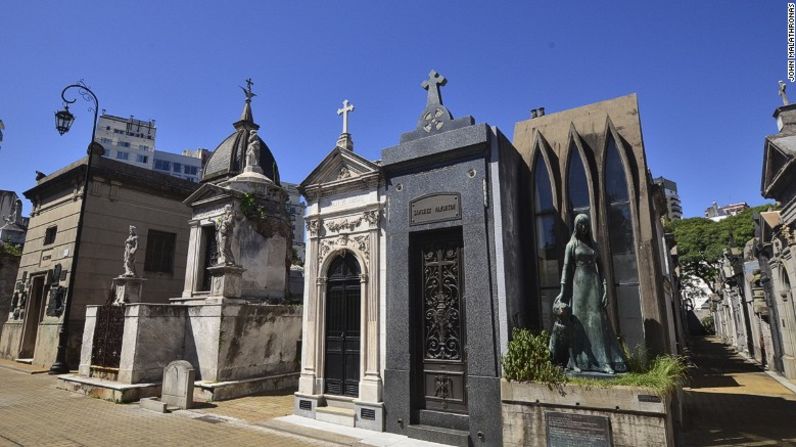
(435, 208)
(577, 430)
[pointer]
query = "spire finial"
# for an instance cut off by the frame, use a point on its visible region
(347, 108)
(782, 94)
(434, 82)
(345, 140)
(248, 90)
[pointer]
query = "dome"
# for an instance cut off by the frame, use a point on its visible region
(228, 159)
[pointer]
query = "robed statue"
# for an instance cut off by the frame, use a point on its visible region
(253, 153)
(225, 228)
(130, 247)
(582, 337)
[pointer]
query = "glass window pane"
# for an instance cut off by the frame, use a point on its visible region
(542, 191)
(547, 250)
(577, 186)
(615, 181)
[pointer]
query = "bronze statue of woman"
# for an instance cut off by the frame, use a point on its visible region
(592, 343)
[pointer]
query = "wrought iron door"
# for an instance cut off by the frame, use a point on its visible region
(342, 327)
(108, 331)
(439, 299)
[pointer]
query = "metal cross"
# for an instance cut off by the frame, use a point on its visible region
(782, 94)
(248, 90)
(434, 82)
(347, 107)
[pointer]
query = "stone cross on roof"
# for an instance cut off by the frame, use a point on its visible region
(248, 90)
(434, 82)
(347, 108)
(782, 94)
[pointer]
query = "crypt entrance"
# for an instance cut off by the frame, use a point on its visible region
(437, 282)
(343, 295)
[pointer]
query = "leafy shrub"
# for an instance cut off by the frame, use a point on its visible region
(709, 325)
(528, 359)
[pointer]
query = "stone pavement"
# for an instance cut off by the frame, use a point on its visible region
(34, 413)
(733, 402)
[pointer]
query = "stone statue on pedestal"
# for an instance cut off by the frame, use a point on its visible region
(253, 154)
(130, 247)
(225, 228)
(582, 331)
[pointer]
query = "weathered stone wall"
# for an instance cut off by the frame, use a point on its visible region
(8, 273)
(223, 342)
(634, 420)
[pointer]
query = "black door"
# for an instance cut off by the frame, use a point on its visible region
(438, 300)
(342, 327)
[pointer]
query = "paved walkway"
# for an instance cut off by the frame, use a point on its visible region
(34, 413)
(733, 402)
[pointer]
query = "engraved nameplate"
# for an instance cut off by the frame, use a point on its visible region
(577, 430)
(435, 208)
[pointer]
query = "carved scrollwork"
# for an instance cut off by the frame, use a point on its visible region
(343, 224)
(313, 225)
(344, 173)
(359, 243)
(372, 217)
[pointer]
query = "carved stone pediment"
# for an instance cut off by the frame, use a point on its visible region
(340, 165)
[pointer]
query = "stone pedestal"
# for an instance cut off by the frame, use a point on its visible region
(225, 284)
(127, 289)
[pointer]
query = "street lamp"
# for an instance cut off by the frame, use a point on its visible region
(63, 122)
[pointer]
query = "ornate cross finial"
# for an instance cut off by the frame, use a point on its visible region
(248, 90)
(782, 94)
(347, 108)
(434, 82)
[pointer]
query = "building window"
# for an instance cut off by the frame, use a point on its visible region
(621, 241)
(177, 167)
(143, 147)
(49, 235)
(122, 155)
(105, 140)
(123, 143)
(577, 187)
(190, 170)
(142, 158)
(160, 252)
(163, 165)
(546, 239)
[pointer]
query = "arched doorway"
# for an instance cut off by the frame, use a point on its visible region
(342, 327)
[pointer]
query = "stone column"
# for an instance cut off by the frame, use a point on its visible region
(319, 326)
(370, 386)
(309, 319)
(193, 261)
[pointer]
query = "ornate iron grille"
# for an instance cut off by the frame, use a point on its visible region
(108, 332)
(442, 302)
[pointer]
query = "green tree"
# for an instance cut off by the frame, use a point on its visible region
(701, 242)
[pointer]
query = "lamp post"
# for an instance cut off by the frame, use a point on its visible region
(63, 121)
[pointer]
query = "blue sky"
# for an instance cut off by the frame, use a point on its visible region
(705, 72)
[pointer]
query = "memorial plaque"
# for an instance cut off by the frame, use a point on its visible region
(435, 208)
(577, 430)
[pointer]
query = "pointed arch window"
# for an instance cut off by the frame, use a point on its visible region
(577, 186)
(622, 246)
(546, 239)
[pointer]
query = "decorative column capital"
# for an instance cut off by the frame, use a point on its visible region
(321, 280)
(363, 278)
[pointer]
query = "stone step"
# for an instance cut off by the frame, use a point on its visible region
(339, 401)
(335, 415)
(25, 361)
(439, 435)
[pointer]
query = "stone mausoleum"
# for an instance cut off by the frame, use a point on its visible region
(231, 322)
(406, 334)
(343, 345)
